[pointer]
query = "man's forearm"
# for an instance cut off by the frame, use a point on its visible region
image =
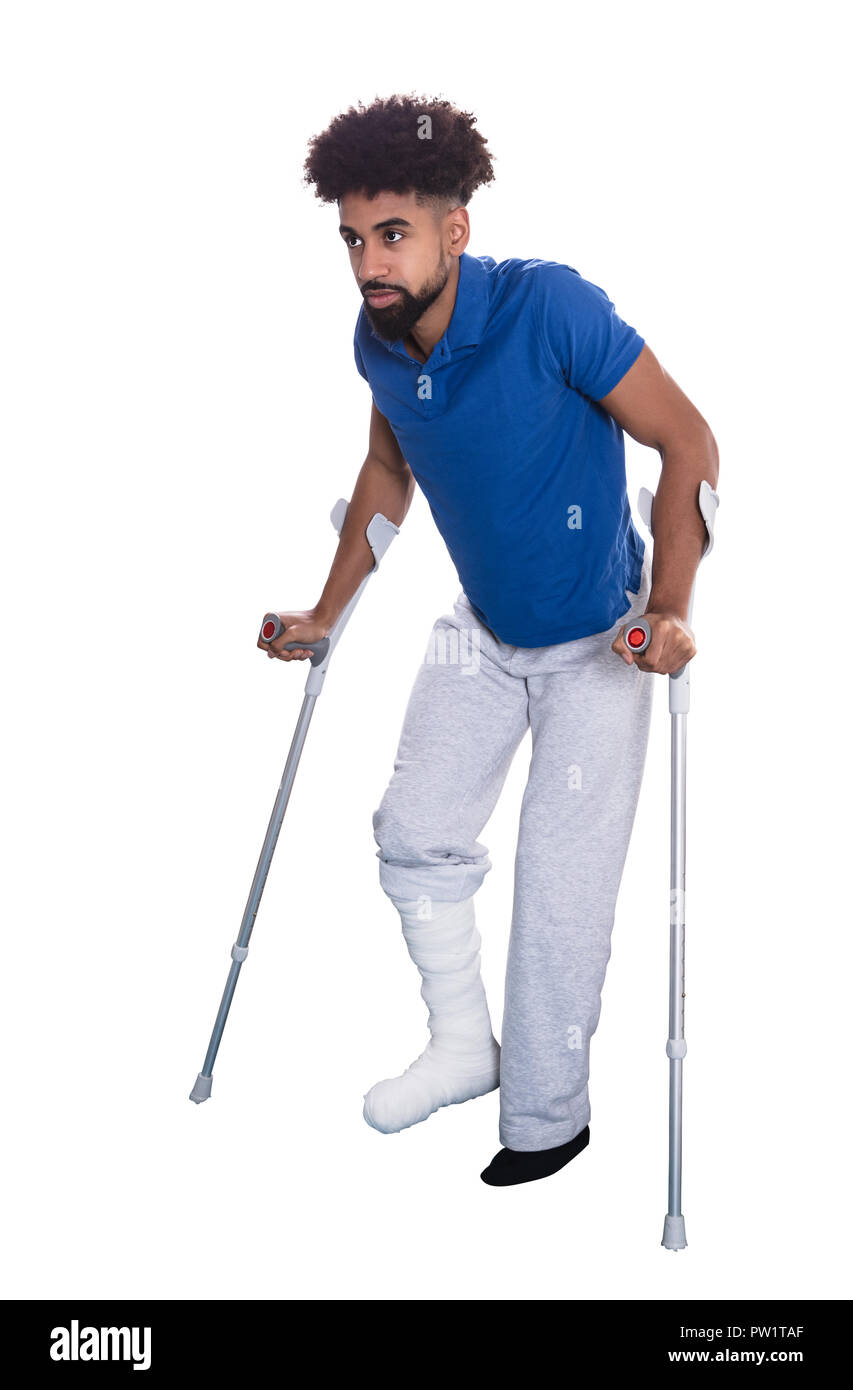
(679, 527)
(377, 489)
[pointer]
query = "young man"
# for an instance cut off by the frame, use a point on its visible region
(502, 389)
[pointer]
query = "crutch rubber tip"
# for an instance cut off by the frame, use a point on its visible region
(201, 1089)
(673, 1233)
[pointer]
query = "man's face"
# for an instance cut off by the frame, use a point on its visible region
(396, 253)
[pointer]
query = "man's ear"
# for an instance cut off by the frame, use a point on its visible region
(459, 230)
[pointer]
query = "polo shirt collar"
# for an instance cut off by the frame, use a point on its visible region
(469, 317)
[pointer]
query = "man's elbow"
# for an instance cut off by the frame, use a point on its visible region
(695, 442)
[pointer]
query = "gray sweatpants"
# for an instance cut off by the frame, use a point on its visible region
(589, 713)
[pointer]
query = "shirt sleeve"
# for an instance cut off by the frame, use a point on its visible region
(587, 341)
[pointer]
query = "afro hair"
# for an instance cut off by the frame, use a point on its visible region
(400, 144)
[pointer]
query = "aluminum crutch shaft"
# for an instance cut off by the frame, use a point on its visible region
(240, 949)
(380, 532)
(637, 638)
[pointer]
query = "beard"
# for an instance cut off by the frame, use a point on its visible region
(398, 320)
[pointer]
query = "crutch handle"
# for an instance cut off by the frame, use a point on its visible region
(639, 635)
(379, 532)
(273, 627)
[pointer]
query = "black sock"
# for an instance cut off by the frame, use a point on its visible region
(512, 1166)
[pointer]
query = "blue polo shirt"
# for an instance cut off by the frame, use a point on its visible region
(523, 471)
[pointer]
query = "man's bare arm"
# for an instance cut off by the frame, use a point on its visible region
(385, 484)
(653, 409)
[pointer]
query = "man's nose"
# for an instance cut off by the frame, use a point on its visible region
(372, 268)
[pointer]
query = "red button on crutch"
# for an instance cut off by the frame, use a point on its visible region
(639, 635)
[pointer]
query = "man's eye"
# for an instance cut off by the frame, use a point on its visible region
(351, 240)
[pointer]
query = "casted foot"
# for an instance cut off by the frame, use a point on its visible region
(437, 1078)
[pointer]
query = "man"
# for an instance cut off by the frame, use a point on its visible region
(502, 389)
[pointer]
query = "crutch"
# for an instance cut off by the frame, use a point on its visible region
(380, 532)
(637, 638)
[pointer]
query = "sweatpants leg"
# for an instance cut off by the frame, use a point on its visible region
(464, 721)
(589, 716)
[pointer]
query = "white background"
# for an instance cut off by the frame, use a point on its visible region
(180, 411)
